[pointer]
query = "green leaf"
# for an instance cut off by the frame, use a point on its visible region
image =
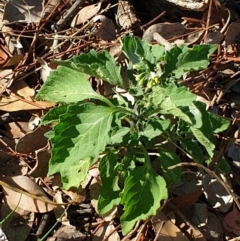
(100, 65)
(224, 166)
(118, 133)
(155, 128)
(132, 47)
(218, 124)
(180, 95)
(53, 115)
(179, 102)
(50, 134)
(110, 193)
(180, 60)
(204, 138)
(136, 50)
(192, 147)
(81, 135)
(67, 86)
(143, 191)
(168, 159)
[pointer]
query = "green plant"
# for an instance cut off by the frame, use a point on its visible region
(127, 136)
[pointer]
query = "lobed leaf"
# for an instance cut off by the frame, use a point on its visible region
(100, 65)
(136, 50)
(155, 128)
(67, 86)
(53, 115)
(180, 60)
(192, 147)
(110, 193)
(81, 135)
(143, 191)
(167, 159)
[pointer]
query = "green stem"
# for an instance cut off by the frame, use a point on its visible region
(1, 222)
(105, 100)
(55, 224)
(146, 156)
(124, 110)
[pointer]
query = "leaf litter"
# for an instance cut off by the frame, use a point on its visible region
(57, 30)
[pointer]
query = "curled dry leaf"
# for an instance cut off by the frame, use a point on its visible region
(85, 14)
(162, 41)
(166, 30)
(126, 16)
(45, 70)
(106, 30)
(31, 195)
(194, 37)
(42, 159)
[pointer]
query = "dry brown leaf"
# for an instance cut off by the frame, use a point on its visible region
(166, 30)
(231, 222)
(27, 11)
(104, 231)
(16, 129)
(10, 165)
(50, 6)
(182, 201)
(21, 99)
(14, 103)
(15, 59)
(95, 190)
(3, 55)
(42, 159)
(107, 30)
(85, 14)
(77, 195)
(33, 141)
(45, 70)
(67, 233)
(60, 211)
(18, 225)
(232, 32)
(169, 231)
(5, 77)
(31, 195)
(194, 37)
(126, 16)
